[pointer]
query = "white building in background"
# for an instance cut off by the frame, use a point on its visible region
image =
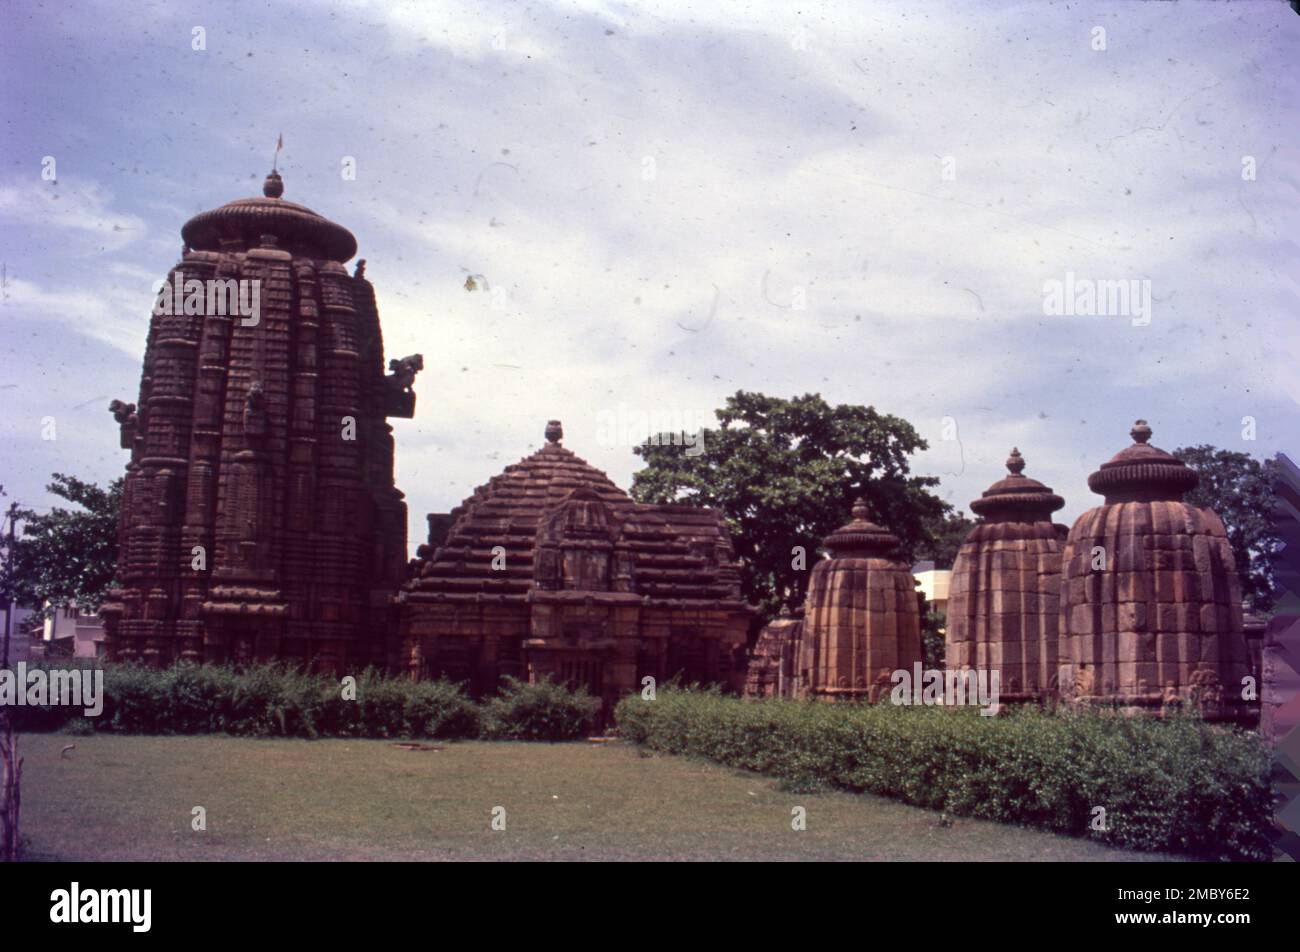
(934, 583)
(23, 644)
(70, 631)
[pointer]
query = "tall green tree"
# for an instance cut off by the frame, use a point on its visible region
(785, 474)
(944, 536)
(66, 557)
(1240, 489)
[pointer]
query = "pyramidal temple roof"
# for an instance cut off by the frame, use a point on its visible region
(677, 552)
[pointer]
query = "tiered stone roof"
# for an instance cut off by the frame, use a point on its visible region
(678, 552)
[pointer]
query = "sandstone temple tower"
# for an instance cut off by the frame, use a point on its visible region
(259, 516)
(861, 617)
(1151, 604)
(1004, 598)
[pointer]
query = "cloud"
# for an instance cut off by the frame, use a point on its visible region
(670, 203)
(69, 216)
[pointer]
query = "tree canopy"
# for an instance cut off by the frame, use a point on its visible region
(1240, 489)
(66, 557)
(785, 474)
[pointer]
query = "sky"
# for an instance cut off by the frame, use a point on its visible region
(665, 203)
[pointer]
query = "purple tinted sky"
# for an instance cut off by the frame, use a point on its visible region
(794, 153)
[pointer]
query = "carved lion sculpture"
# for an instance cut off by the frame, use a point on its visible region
(404, 371)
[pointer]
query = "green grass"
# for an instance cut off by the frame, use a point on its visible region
(130, 798)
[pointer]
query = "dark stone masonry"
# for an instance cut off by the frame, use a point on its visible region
(259, 516)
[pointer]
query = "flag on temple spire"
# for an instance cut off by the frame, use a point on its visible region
(279, 144)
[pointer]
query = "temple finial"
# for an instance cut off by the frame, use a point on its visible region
(1015, 462)
(554, 432)
(273, 187)
(1140, 432)
(859, 509)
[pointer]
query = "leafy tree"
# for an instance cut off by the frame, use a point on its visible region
(1240, 489)
(785, 473)
(945, 534)
(67, 557)
(933, 640)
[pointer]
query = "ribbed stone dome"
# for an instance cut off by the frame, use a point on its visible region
(860, 538)
(246, 221)
(1016, 495)
(1142, 471)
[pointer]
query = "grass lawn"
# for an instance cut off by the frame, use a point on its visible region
(131, 798)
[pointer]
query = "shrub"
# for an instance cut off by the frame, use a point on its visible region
(441, 709)
(1175, 784)
(540, 711)
(276, 700)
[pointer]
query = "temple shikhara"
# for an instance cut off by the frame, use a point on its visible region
(861, 622)
(1004, 598)
(260, 521)
(259, 516)
(1151, 608)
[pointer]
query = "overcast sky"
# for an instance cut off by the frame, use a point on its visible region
(668, 204)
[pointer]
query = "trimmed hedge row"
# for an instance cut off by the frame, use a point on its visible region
(279, 701)
(1177, 785)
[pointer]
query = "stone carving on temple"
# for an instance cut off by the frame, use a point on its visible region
(1003, 608)
(257, 523)
(549, 569)
(400, 383)
(1151, 611)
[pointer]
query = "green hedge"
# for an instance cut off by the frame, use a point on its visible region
(1177, 785)
(542, 710)
(280, 701)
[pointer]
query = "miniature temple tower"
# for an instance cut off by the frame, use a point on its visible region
(1003, 601)
(1151, 608)
(861, 617)
(259, 516)
(773, 664)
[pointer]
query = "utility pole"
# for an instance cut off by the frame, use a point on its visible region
(11, 765)
(9, 595)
